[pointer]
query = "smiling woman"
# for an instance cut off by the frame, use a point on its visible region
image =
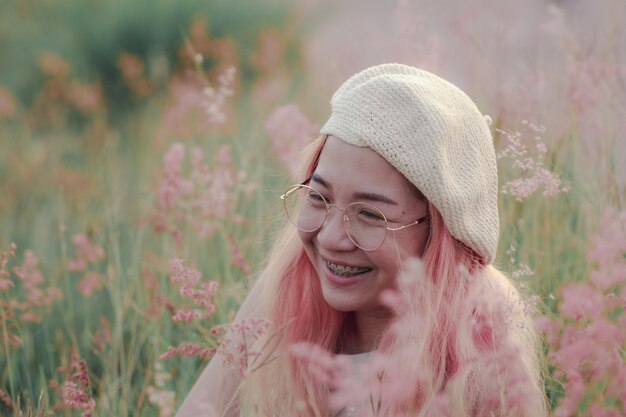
(352, 279)
(404, 169)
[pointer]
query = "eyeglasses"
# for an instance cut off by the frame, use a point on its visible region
(365, 225)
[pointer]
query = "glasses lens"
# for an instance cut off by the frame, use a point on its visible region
(305, 207)
(366, 225)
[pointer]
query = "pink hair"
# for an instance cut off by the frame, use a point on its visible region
(295, 305)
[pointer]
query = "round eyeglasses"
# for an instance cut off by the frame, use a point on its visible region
(365, 225)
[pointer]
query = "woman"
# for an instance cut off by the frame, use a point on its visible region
(405, 168)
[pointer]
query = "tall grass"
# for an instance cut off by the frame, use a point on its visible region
(71, 333)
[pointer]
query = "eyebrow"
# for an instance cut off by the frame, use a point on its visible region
(358, 195)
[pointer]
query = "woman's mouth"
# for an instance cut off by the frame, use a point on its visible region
(344, 270)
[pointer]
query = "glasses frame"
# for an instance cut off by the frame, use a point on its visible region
(345, 217)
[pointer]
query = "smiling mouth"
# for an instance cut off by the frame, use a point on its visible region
(345, 271)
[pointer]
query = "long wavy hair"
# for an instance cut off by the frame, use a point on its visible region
(453, 333)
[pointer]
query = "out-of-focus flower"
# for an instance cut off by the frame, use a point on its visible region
(6, 399)
(131, 65)
(204, 199)
(89, 283)
(530, 161)
(5, 282)
(8, 104)
(159, 395)
(173, 185)
(270, 53)
(588, 337)
(73, 182)
(196, 105)
(31, 279)
(87, 98)
(581, 300)
(214, 101)
(607, 251)
(164, 400)
(53, 65)
(222, 50)
(325, 367)
(102, 336)
(290, 131)
(87, 254)
(132, 68)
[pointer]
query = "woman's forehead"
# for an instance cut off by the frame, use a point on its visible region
(344, 165)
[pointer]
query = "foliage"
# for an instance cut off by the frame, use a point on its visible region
(90, 37)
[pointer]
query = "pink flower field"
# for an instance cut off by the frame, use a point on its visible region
(140, 177)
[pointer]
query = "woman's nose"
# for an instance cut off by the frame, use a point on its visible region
(332, 235)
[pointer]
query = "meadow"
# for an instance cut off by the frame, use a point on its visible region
(143, 153)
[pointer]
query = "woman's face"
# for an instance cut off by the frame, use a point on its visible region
(352, 278)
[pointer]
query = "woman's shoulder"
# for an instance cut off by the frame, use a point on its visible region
(497, 278)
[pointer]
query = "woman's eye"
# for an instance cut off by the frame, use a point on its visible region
(316, 198)
(371, 215)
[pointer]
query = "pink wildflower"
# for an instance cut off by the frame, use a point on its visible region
(204, 199)
(86, 98)
(103, 333)
(188, 349)
(8, 104)
(173, 186)
(87, 254)
(31, 279)
(86, 250)
(29, 272)
(237, 347)
(523, 270)
(587, 348)
(75, 392)
(90, 282)
(75, 397)
(182, 116)
(132, 69)
(106, 328)
(531, 163)
(76, 265)
(195, 105)
(6, 398)
(186, 315)
(5, 284)
(180, 273)
(607, 251)
(4, 260)
(202, 296)
(581, 300)
(322, 365)
(215, 97)
(550, 327)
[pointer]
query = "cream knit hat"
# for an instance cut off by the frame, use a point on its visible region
(433, 134)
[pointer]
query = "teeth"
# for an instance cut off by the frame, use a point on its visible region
(342, 270)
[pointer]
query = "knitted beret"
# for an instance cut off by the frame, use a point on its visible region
(433, 134)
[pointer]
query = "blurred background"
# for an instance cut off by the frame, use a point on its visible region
(135, 132)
